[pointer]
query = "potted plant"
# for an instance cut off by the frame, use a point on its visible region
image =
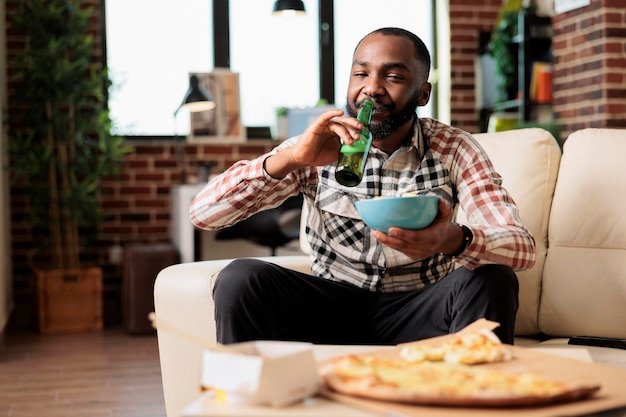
(280, 129)
(60, 146)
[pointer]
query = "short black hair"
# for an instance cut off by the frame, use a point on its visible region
(421, 51)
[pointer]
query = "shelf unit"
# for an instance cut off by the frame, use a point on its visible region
(532, 44)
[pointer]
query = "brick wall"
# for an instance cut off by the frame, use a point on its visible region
(137, 203)
(589, 91)
(589, 66)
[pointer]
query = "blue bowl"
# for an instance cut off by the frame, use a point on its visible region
(411, 212)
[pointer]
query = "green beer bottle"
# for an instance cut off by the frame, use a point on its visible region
(352, 158)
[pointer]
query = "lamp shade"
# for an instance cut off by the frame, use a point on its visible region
(287, 7)
(196, 98)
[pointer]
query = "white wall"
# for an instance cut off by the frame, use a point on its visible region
(6, 293)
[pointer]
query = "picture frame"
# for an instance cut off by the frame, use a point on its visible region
(222, 123)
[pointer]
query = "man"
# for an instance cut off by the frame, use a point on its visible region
(369, 287)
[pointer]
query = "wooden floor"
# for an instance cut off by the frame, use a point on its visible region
(104, 374)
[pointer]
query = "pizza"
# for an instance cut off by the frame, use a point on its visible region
(445, 384)
(448, 373)
(482, 346)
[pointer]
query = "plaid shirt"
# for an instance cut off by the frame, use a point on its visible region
(438, 160)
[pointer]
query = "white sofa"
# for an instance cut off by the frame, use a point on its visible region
(573, 202)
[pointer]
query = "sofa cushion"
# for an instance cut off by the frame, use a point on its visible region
(528, 161)
(584, 283)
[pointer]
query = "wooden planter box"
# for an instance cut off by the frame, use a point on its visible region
(69, 300)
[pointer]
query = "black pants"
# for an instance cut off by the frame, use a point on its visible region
(257, 300)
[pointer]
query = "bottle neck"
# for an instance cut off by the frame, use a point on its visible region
(365, 114)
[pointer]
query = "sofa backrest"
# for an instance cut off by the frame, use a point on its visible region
(584, 279)
(528, 161)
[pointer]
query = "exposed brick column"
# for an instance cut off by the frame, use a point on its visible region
(589, 55)
(467, 19)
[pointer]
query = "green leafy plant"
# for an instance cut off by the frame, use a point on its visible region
(502, 48)
(60, 146)
(282, 111)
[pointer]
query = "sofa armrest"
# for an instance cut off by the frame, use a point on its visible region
(182, 299)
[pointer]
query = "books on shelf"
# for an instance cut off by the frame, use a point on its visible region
(541, 82)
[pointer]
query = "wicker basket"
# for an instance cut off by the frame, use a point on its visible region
(69, 300)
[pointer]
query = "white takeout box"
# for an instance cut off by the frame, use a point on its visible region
(265, 372)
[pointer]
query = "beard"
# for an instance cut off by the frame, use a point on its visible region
(396, 119)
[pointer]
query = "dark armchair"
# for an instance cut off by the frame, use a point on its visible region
(272, 228)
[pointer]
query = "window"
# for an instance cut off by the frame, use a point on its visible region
(153, 45)
(277, 59)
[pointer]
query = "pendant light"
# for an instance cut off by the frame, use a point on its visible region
(288, 8)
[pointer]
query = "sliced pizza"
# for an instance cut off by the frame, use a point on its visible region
(440, 383)
(482, 346)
